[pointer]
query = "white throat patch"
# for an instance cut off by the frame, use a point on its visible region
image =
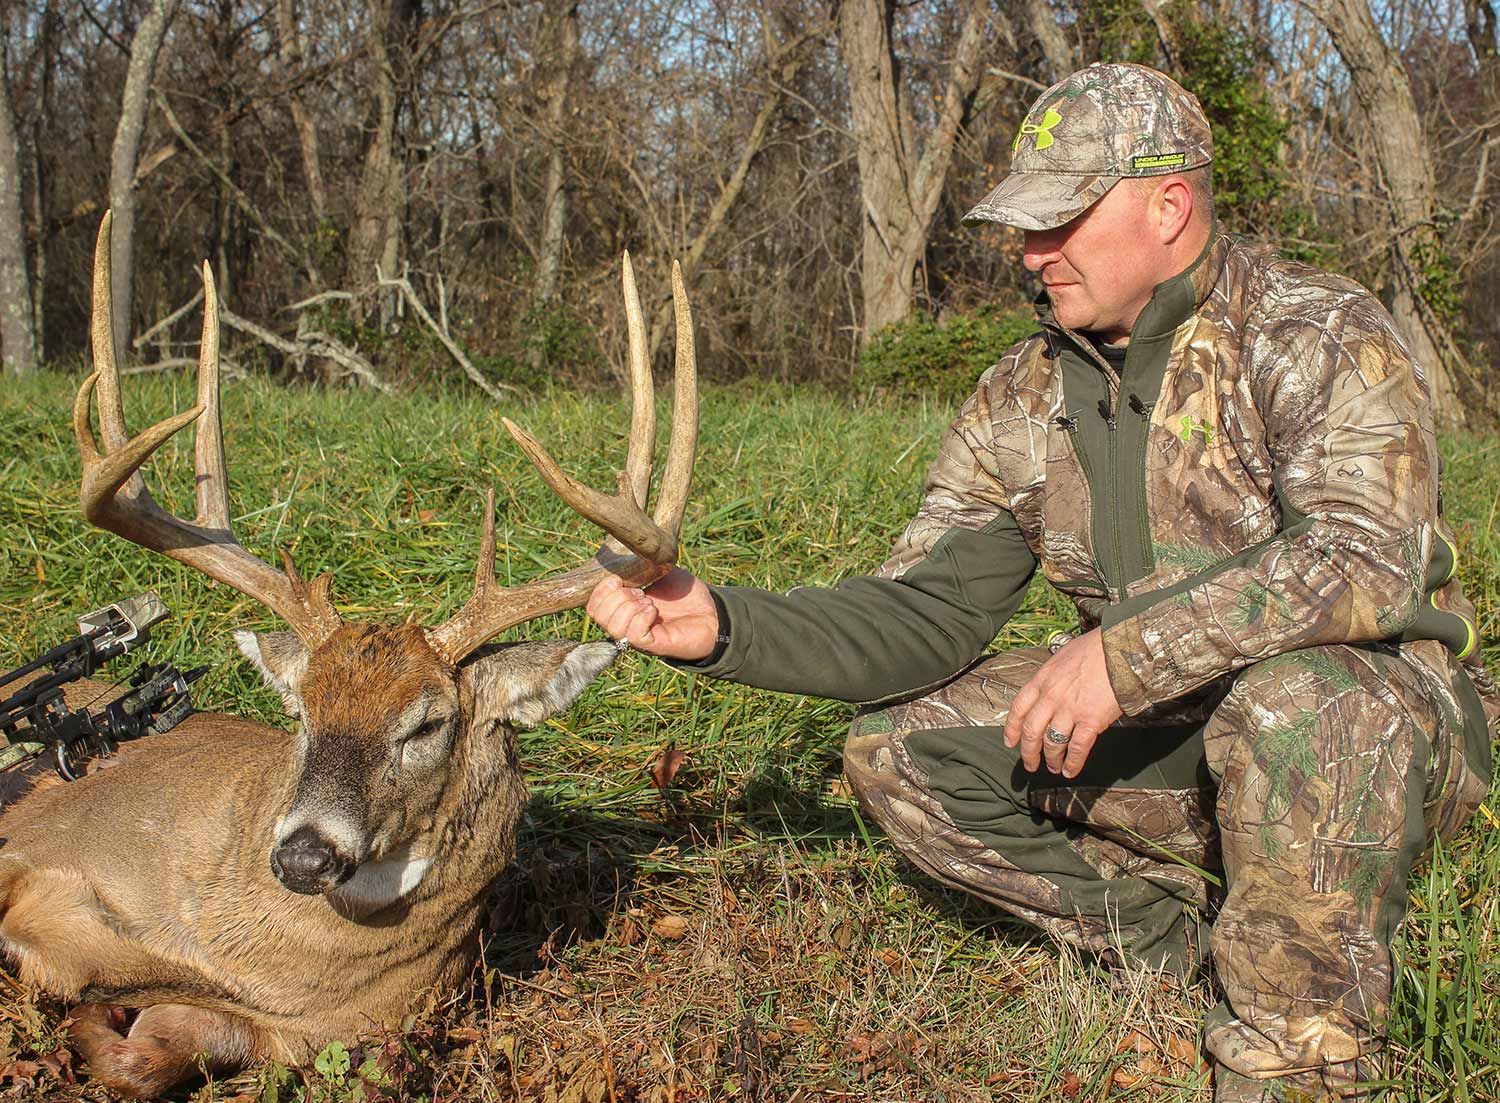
(376, 885)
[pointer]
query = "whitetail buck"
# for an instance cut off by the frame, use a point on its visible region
(256, 893)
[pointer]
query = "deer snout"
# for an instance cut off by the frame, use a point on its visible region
(307, 863)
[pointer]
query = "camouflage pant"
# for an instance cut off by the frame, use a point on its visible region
(1307, 786)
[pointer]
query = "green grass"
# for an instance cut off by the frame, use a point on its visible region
(814, 966)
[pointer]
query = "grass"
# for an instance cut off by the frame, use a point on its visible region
(744, 935)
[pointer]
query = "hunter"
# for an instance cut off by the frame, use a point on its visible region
(1226, 459)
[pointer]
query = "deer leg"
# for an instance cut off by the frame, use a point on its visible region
(168, 1043)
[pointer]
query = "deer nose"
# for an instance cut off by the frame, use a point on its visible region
(306, 863)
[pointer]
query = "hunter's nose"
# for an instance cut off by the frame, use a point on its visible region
(306, 863)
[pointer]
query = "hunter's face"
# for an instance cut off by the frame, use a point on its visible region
(1101, 268)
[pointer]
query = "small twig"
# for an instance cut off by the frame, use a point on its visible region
(403, 285)
(168, 321)
(308, 343)
(237, 193)
(326, 346)
(319, 299)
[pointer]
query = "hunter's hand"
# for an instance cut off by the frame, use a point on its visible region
(674, 617)
(1071, 694)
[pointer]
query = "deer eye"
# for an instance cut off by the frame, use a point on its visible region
(418, 742)
(430, 730)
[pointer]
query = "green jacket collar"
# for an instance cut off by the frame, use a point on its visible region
(1173, 301)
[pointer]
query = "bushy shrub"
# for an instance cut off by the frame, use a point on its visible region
(920, 357)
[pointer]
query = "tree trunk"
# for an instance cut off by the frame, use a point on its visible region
(375, 234)
(1401, 149)
(143, 50)
(899, 192)
(1048, 32)
(562, 25)
(17, 337)
(290, 48)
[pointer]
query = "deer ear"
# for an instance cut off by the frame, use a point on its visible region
(524, 683)
(279, 656)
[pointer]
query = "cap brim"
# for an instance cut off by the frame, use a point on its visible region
(1039, 201)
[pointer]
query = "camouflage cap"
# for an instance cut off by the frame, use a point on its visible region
(1087, 133)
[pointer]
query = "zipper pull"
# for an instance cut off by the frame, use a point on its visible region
(1107, 414)
(1140, 407)
(1068, 423)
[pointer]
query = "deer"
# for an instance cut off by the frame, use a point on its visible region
(229, 891)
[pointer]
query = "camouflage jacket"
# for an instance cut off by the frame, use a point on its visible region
(1261, 476)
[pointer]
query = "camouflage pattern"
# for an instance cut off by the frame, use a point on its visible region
(1286, 392)
(1086, 133)
(1289, 501)
(1308, 789)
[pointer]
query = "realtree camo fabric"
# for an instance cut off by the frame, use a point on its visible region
(1317, 786)
(1085, 133)
(1287, 394)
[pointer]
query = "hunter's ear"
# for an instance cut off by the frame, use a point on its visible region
(524, 683)
(280, 658)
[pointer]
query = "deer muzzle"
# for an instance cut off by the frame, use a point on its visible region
(308, 863)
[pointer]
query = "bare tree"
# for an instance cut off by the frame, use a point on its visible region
(561, 29)
(17, 337)
(375, 233)
(292, 50)
(900, 185)
(122, 163)
(1381, 86)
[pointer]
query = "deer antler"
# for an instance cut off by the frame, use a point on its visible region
(647, 545)
(115, 498)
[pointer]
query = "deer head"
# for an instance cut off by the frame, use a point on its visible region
(389, 715)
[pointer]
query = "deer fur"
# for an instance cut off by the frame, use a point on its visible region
(111, 895)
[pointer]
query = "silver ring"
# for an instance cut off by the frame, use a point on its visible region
(622, 644)
(1057, 738)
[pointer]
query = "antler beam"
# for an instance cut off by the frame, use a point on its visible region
(647, 544)
(114, 496)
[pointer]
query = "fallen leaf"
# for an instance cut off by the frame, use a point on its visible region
(665, 768)
(891, 957)
(798, 1026)
(1150, 1066)
(425, 515)
(1135, 1042)
(670, 927)
(1126, 1078)
(630, 932)
(19, 1070)
(1071, 1085)
(842, 934)
(60, 1062)
(1182, 1050)
(838, 787)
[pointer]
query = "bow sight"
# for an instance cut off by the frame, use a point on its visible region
(36, 718)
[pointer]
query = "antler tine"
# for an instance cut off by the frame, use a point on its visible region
(672, 501)
(208, 452)
(102, 332)
(653, 543)
(616, 514)
(642, 448)
(207, 544)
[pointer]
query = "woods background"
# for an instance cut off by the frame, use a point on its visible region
(395, 191)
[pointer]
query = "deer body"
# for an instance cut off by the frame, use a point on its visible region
(210, 926)
(259, 893)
